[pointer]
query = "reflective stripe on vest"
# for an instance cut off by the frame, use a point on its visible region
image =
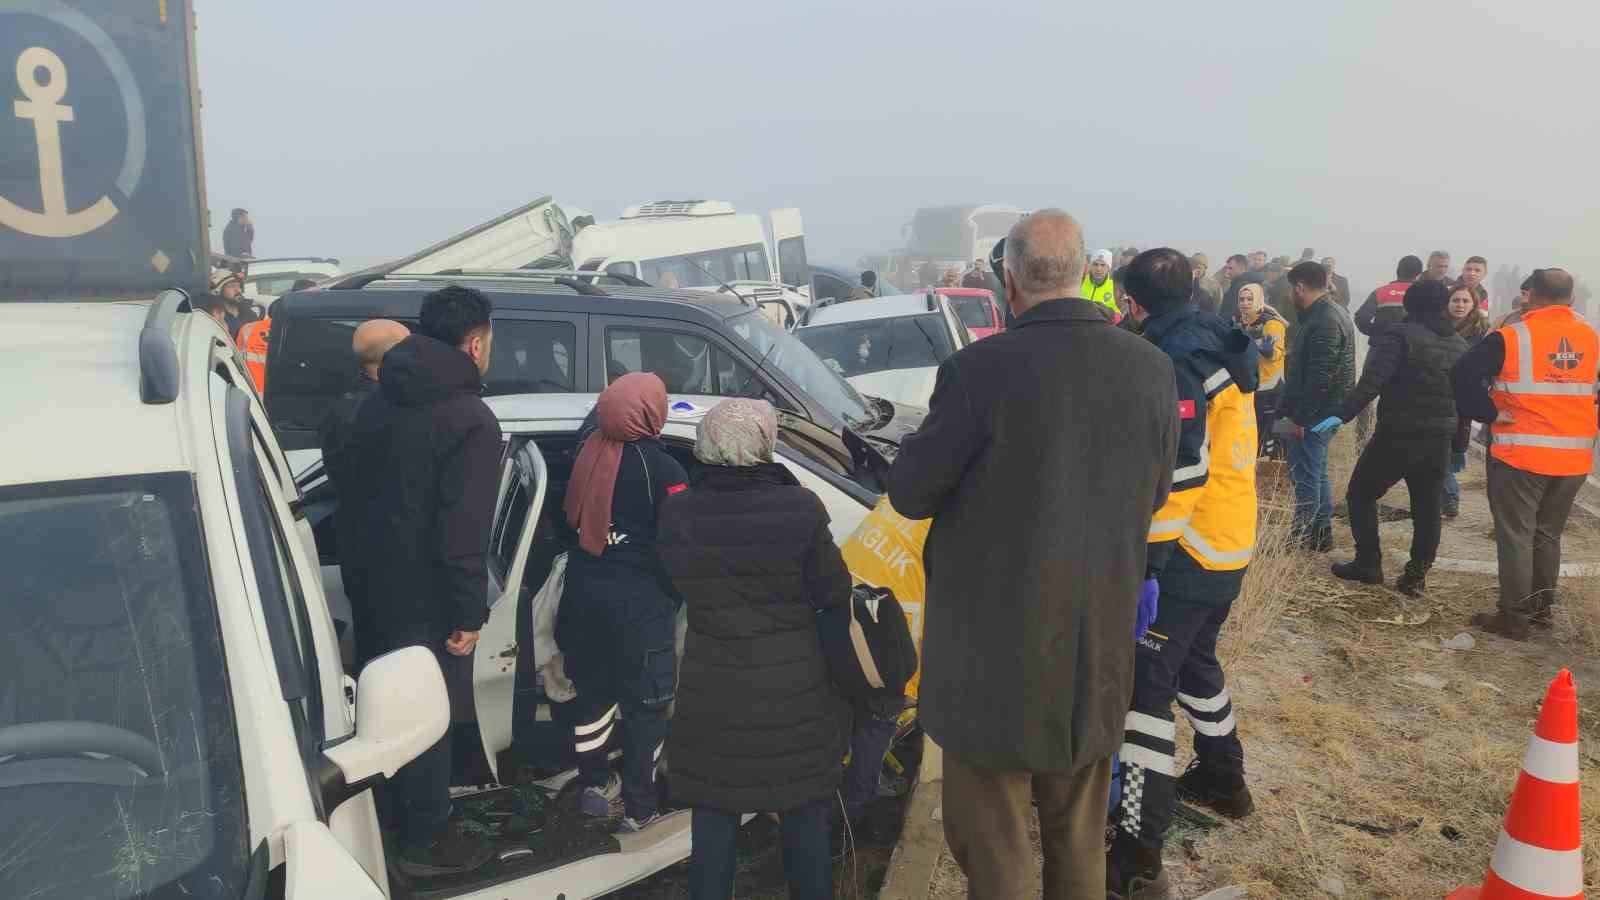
(1271, 381)
(1545, 393)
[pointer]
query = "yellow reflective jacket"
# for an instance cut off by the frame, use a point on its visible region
(1270, 332)
(1105, 294)
(1211, 512)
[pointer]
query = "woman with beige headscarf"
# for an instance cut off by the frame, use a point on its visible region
(755, 728)
(1267, 327)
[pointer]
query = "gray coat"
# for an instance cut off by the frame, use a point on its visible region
(1046, 450)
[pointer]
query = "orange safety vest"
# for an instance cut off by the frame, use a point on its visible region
(1547, 390)
(253, 347)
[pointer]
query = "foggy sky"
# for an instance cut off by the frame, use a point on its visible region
(1365, 129)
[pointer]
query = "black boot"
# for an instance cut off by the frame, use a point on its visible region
(1322, 539)
(1366, 569)
(1414, 580)
(450, 852)
(1450, 508)
(1224, 792)
(1133, 871)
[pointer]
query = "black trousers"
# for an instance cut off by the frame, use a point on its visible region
(1266, 416)
(1177, 660)
(617, 631)
(1423, 462)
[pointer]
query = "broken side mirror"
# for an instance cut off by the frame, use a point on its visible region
(402, 709)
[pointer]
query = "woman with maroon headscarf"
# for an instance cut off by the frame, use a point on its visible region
(616, 625)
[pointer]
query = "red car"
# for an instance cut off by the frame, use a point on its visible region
(977, 309)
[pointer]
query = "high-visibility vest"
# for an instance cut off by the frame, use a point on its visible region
(252, 341)
(1546, 390)
(1104, 294)
(1211, 510)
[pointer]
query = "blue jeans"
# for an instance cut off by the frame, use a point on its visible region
(807, 858)
(871, 733)
(1313, 492)
(1452, 488)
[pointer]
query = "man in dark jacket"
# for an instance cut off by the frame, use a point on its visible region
(425, 453)
(1386, 305)
(1280, 297)
(1029, 599)
(239, 236)
(1408, 369)
(1237, 273)
(1338, 285)
(370, 342)
(1321, 370)
(1200, 545)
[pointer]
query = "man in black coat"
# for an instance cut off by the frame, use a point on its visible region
(1028, 643)
(1408, 370)
(1321, 370)
(424, 472)
(369, 343)
(239, 236)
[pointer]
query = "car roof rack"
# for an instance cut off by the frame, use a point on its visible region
(565, 277)
(158, 359)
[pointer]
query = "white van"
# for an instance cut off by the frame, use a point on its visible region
(695, 243)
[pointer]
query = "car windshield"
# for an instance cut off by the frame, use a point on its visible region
(783, 351)
(973, 311)
(878, 345)
(119, 758)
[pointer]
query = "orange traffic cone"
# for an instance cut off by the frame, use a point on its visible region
(1540, 852)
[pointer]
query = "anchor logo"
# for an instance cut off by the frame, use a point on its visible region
(43, 105)
(1565, 357)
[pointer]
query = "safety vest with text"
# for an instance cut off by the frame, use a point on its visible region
(1105, 293)
(1393, 294)
(252, 341)
(1545, 393)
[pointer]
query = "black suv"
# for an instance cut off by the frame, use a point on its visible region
(557, 334)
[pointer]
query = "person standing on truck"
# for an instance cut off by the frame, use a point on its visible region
(371, 341)
(618, 619)
(424, 460)
(239, 236)
(755, 729)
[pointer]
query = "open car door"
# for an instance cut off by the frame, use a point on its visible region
(789, 243)
(524, 482)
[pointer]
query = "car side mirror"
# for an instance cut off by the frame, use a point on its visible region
(402, 709)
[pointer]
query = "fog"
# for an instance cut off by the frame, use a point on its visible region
(1364, 129)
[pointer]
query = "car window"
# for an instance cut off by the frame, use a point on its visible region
(828, 287)
(683, 361)
(792, 267)
(531, 357)
(708, 269)
(623, 268)
(973, 311)
(783, 351)
(877, 345)
(109, 633)
(509, 521)
(311, 367)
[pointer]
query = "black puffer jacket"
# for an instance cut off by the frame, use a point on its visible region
(1322, 364)
(755, 727)
(1408, 370)
(425, 451)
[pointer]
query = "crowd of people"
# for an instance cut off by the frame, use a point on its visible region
(1195, 378)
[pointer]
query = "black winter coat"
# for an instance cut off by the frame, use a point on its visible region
(425, 451)
(334, 434)
(755, 729)
(1322, 364)
(1408, 370)
(1045, 452)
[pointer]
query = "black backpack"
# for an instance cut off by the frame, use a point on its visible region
(868, 643)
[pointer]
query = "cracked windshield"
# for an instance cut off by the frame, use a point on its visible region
(713, 449)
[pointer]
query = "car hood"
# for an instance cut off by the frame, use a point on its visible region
(911, 387)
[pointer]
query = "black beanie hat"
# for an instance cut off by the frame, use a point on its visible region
(1427, 299)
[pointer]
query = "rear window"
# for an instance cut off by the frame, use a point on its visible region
(314, 367)
(878, 345)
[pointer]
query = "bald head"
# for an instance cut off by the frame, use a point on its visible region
(1044, 259)
(373, 339)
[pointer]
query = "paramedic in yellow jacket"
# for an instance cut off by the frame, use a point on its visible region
(1200, 544)
(1267, 327)
(1098, 286)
